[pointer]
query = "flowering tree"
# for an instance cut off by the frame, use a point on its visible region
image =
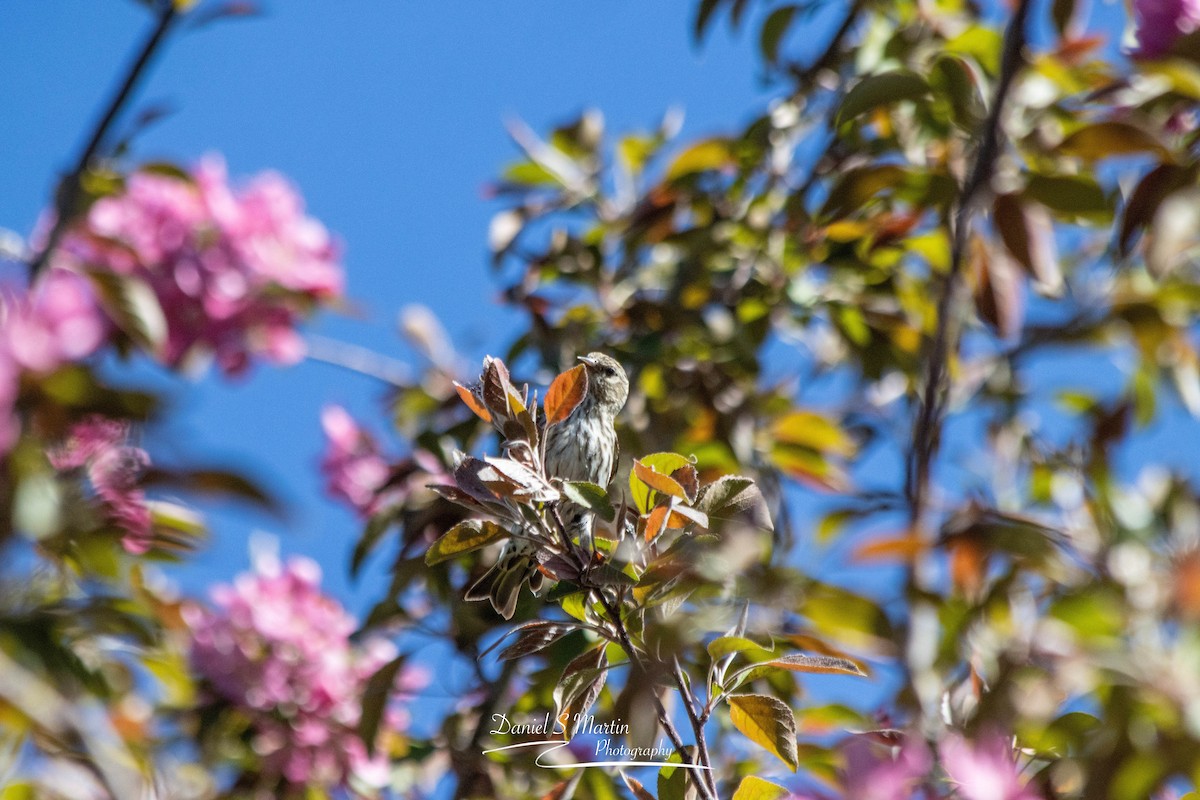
(926, 307)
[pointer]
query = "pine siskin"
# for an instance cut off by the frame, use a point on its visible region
(583, 447)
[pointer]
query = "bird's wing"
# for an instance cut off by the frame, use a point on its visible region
(612, 472)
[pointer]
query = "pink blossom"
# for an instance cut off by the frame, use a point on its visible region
(875, 774)
(355, 470)
(1160, 23)
(10, 425)
(984, 769)
(113, 466)
(55, 322)
(278, 649)
(234, 270)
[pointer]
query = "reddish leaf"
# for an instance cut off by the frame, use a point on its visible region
(997, 290)
(566, 392)
(687, 477)
(1143, 203)
(497, 386)
(1028, 235)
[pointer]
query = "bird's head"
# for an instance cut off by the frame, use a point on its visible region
(607, 383)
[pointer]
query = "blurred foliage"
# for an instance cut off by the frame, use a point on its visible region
(777, 293)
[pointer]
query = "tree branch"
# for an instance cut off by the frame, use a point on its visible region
(70, 191)
(928, 427)
(701, 783)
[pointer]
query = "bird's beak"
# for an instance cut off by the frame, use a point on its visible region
(591, 362)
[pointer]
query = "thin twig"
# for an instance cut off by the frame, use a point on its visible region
(357, 358)
(689, 704)
(806, 76)
(927, 430)
(70, 190)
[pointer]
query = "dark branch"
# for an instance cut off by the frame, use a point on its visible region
(70, 190)
(928, 427)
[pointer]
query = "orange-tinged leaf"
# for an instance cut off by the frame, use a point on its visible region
(659, 482)
(635, 786)
(663, 464)
(968, 564)
(711, 154)
(818, 664)
(809, 467)
(904, 547)
(472, 402)
(566, 392)
(656, 522)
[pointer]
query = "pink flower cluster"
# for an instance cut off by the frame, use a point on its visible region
(354, 468)
(357, 472)
(277, 648)
(55, 322)
(233, 270)
(1161, 23)
(983, 769)
(113, 466)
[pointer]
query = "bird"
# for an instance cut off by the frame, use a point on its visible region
(583, 447)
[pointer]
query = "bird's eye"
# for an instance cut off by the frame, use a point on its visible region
(609, 371)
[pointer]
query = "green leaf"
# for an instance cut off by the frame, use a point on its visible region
(662, 463)
(374, 701)
(856, 187)
(214, 483)
(1107, 139)
(464, 537)
(814, 431)
(959, 81)
(533, 637)
(703, 156)
(724, 645)
(734, 497)
(134, 307)
(767, 722)
(773, 31)
(590, 496)
(1070, 194)
(752, 788)
(883, 89)
(673, 782)
(580, 686)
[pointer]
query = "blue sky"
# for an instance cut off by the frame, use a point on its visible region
(389, 117)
